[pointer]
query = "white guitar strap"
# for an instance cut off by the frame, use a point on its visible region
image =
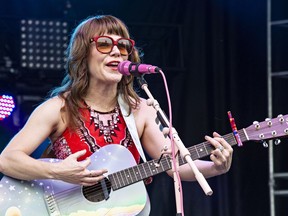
(130, 122)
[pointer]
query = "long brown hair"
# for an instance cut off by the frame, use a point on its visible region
(76, 81)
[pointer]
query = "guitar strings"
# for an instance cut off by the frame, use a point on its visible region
(90, 190)
(228, 137)
(63, 198)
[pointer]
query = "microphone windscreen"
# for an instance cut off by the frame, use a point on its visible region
(123, 67)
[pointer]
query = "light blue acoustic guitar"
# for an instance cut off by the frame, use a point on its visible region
(122, 192)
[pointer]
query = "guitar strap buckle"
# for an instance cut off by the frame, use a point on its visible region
(234, 129)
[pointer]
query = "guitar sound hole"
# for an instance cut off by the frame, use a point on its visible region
(97, 192)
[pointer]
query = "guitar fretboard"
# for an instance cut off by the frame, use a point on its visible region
(142, 171)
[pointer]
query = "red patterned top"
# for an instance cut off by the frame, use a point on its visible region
(98, 129)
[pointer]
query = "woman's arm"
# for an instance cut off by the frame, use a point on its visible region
(154, 141)
(17, 162)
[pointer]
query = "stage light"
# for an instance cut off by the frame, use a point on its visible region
(43, 44)
(7, 105)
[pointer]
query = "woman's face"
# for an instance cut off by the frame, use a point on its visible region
(103, 67)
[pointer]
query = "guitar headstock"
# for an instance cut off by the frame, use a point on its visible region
(268, 129)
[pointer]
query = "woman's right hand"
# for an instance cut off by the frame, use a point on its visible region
(73, 171)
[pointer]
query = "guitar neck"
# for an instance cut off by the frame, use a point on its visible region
(142, 171)
(204, 149)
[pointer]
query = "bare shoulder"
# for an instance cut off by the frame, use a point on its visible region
(143, 107)
(143, 115)
(49, 112)
(52, 104)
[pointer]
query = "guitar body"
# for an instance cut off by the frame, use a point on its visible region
(53, 197)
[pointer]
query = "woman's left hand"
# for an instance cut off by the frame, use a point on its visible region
(222, 154)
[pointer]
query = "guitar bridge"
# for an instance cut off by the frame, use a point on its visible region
(51, 204)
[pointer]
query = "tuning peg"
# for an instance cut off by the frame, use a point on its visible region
(281, 119)
(265, 144)
(269, 122)
(277, 141)
(256, 124)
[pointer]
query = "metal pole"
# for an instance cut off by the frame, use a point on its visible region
(270, 111)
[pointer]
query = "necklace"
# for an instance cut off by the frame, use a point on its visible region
(106, 123)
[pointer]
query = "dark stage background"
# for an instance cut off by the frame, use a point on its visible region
(214, 54)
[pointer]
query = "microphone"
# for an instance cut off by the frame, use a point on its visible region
(129, 68)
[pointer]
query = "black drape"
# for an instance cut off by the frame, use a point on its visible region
(225, 69)
(221, 66)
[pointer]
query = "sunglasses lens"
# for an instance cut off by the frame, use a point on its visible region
(104, 44)
(125, 46)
